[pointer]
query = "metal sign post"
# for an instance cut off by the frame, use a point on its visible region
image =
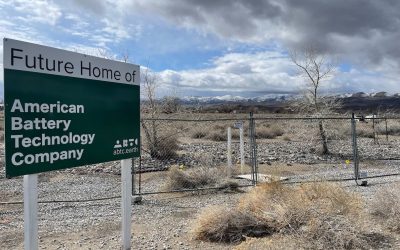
(126, 201)
(30, 212)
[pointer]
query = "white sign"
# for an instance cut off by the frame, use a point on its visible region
(238, 125)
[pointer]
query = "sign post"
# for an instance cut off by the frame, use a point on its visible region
(126, 201)
(30, 212)
(239, 125)
(65, 109)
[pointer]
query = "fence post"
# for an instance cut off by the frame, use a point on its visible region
(386, 129)
(229, 153)
(373, 127)
(241, 149)
(253, 148)
(355, 149)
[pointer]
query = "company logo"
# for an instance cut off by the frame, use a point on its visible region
(126, 146)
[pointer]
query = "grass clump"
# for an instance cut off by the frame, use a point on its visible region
(317, 215)
(270, 132)
(366, 133)
(386, 207)
(181, 178)
(165, 148)
(221, 224)
(198, 134)
(217, 136)
(392, 129)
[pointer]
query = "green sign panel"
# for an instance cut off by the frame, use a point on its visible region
(64, 109)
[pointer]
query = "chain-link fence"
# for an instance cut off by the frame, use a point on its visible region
(183, 154)
(299, 149)
(180, 155)
(378, 143)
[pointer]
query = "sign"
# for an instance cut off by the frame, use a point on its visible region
(65, 109)
(238, 125)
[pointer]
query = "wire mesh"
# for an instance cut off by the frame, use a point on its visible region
(179, 154)
(378, 146)
(192, 154)
(293, 149)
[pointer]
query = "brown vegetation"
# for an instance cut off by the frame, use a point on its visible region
(164, 148)
(386, 207)
(317, 215)
(269, 132)
(180, 178)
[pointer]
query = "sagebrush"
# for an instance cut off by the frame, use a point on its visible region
(180, 178)
(317, 215)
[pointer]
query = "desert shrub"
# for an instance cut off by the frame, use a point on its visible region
(392, 129)
(222, 224)
(333, 232)
(333, 198)
(164, 148)
(366, 133)
(217, 136)
(273, 242)
(198, 134)
(229, 185)
(386, 206)
(219, 127)
(319, 215)
(269, 132)
(192, 178)
(338, 134)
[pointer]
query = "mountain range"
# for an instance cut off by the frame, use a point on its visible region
(281, 103)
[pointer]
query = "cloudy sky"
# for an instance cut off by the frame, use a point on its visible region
(219, 47)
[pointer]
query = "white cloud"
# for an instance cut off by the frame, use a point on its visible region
(364, 36)
(238, 72)
(42, 11)
(272, 72)
(364, 33)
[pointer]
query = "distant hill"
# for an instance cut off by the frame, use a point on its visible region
(373, 104)
(356, 102)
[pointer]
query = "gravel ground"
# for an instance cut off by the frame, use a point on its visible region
(164, 221)
(159, 222)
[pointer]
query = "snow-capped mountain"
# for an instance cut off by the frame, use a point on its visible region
(275, 97)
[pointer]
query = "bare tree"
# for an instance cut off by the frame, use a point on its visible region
(315, 68)
(151, 107)
(161, 144)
